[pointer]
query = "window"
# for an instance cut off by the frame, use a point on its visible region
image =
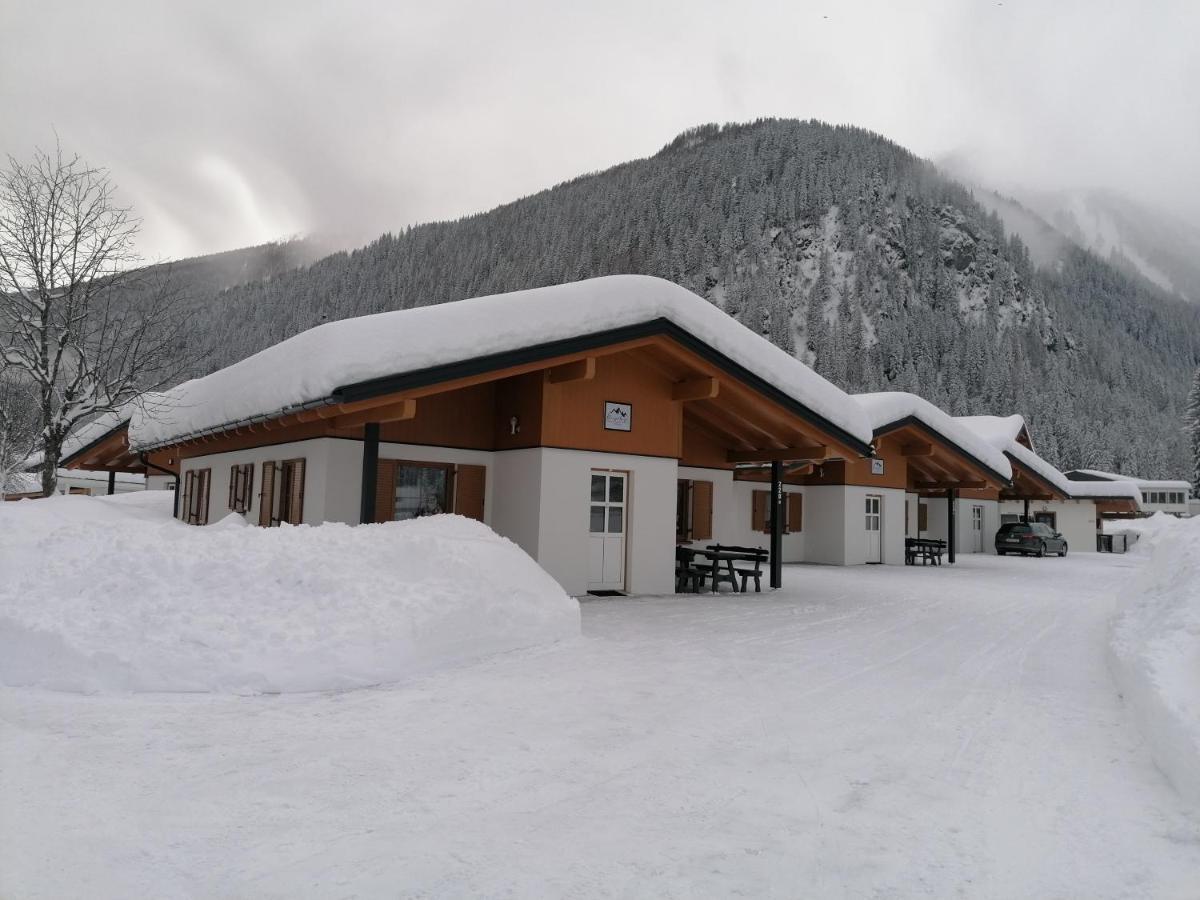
(792, 510)
(194, 507)
(241, 484)
(87, 492)
(421, 489)
(291, 491)
(693, 510)
(407, 489)
(1047, 518)
(922, 517)
(266, 496)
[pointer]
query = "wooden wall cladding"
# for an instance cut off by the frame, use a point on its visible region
(573, 412)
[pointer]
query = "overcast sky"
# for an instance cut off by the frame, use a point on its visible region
(227, 124)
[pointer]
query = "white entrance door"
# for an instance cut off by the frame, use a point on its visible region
(607, 526)
(977, 528)
(874, 523)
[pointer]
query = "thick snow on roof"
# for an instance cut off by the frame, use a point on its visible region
(307, 368)
(891, 406)
(1002, 431)
(996, 430)
(85, 434)
(1147, 483)
(1084, 489)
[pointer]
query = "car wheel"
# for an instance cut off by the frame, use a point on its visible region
(1064, 549)
(1041, 549)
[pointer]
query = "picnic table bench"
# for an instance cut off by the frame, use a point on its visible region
(719, 567)
(928, 550)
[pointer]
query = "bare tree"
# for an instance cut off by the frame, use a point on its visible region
(90, 329)
(19, 422)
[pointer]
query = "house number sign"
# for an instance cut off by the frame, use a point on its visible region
(618, 416)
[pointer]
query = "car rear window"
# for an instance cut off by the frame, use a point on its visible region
(1015, 528)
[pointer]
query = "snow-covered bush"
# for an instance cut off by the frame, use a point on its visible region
(1155, 649)
(101, 594)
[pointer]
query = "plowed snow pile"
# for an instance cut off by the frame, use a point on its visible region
(111, 594)
(1156, 648)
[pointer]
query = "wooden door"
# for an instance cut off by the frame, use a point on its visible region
(874, 528)
(607, 526)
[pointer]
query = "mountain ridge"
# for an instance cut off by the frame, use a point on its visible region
(837, 244)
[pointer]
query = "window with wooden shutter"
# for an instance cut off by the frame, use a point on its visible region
(468, 491)
(241, 484)
(922, 517)
(291, 491)
(702, 510)
(195, 496)
(760, 511)
(266, 496)
(385, 491)
(795, 512)
(683, 511)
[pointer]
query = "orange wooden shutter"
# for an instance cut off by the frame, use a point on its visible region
(795, 512)
(266, 496)
(205, 477)
(185, 506)
(760, 514)
(296, 492)
(702, 510)
(247, 486)
(468, 491)
(385, 491)
(922, 517)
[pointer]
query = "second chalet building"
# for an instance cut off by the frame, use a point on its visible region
(597, 424)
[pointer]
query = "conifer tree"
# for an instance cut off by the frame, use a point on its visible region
(1191, 419)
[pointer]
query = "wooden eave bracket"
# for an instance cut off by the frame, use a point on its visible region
(705, 388)
(950, 485)
(401, 411)
(579, 370)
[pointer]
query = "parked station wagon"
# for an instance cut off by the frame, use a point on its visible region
(1035, 538)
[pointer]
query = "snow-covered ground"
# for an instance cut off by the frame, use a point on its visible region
(866, 732)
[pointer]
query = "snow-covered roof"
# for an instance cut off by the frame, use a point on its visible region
(308, 368)
(1144, 483)
(996, 430)
(1001, 432)
(85, 435)
(1106, 489)
(889, 407)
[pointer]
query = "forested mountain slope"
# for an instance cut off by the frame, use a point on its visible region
(837, 244)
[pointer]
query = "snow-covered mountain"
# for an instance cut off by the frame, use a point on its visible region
(842, 247)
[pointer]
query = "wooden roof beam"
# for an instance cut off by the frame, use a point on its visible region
(579, 370)
(705, 388)
(394, 412)
(950, 485)
(916, 448)
(787, 454)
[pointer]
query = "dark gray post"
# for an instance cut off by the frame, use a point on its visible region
(370, 471)
(776, 524)
(951, 496)
(1026, 519)
(112, 482)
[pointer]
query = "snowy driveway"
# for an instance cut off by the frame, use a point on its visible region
(874, 732)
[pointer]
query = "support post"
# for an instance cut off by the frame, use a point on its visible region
(1026, 518)
(112, 482)
(951, 497)
(776, 524)
(370, 472)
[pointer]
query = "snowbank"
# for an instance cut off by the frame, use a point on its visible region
(309, 367)
(111, 594)
(1155, 648)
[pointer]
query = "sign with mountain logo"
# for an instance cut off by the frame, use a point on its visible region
(618, 416)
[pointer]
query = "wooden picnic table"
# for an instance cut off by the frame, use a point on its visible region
(728, 557)
(928, 549)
